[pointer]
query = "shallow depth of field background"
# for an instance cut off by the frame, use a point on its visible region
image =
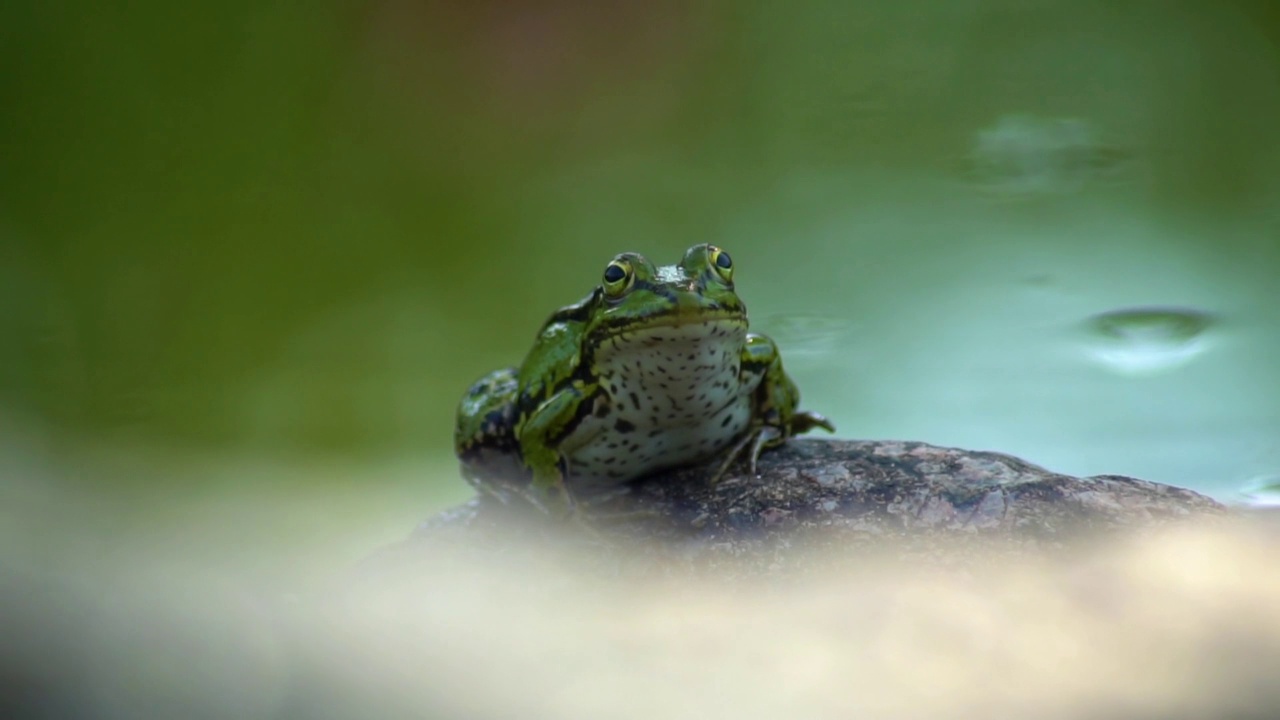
(251, 254)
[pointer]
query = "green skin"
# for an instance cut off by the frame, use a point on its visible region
(552, 429)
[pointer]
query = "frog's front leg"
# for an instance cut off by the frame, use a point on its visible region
(775, 413)
(777, 398)
(484, 436)
(542, 439)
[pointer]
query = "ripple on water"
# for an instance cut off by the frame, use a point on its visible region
(1263, 492)
(800, 335)
(1139, 341)
(1029, 155)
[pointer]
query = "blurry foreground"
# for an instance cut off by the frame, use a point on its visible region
(251, 254)
(169, 622)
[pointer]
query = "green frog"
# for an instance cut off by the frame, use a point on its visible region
(652, 370)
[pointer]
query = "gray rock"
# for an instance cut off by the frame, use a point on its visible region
(841, 497)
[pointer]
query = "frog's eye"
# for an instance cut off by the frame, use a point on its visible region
(722, 263)
(618, 277)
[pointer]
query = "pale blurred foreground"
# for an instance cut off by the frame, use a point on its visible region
(1180, 623)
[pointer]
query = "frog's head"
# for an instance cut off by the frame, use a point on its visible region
(635, 295)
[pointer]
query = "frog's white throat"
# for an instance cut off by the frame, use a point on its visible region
(671, 395)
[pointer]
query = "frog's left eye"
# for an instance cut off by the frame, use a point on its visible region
(721, 261)
(618, 277)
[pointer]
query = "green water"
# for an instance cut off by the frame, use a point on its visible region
(1046, 228)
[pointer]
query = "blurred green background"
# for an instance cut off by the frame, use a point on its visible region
(267, 245)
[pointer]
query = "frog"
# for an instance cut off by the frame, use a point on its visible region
(654, 369)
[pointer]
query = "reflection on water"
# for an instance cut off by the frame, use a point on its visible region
(1028, 155)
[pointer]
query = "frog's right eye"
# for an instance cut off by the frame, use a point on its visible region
(618, 277)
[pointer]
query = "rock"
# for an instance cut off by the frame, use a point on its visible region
(843, 496)
(850, 579)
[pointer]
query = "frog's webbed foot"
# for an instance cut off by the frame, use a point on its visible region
(766, 436)
(729, 457)
(757, 439)
(804, 421)
(775, 407)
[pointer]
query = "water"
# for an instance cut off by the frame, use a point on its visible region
(1047, 229)
(251, 254)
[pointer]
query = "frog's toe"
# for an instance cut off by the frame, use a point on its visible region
(765, 436)
(553, 500)
(729, 456)
(804, 421)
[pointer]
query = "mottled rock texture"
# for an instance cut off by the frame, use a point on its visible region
(843, 497)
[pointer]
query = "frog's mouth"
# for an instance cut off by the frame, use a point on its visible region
(675, 327)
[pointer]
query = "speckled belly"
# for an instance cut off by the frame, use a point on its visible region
(669, 397)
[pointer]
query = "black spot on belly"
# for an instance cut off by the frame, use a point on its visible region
(727, 418)
(623, 426)
(635, 400)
